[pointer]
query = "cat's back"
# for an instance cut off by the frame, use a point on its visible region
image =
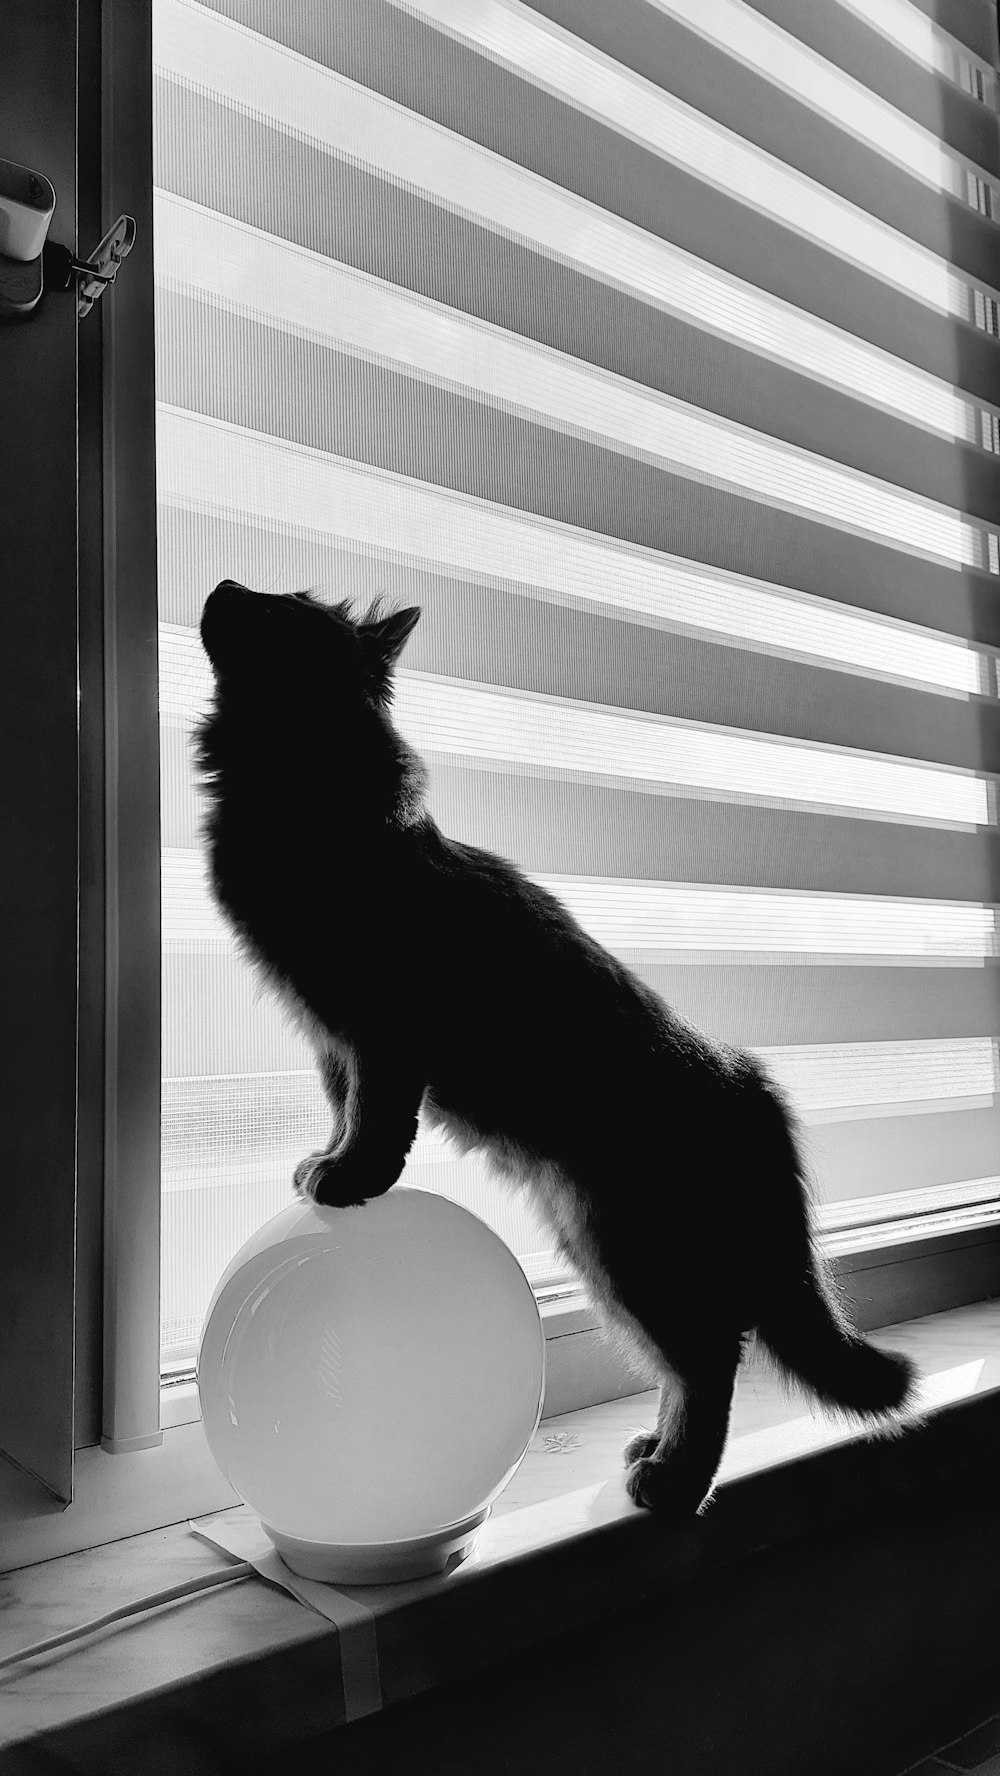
(493, 932)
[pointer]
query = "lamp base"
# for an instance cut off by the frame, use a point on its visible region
(378, 1563)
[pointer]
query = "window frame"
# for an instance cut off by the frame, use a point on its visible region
(160, 1470)
(39, 789)
(131, 958)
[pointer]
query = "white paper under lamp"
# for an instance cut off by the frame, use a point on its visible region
(370, 1378)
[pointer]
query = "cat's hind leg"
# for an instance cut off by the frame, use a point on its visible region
(672, 1469)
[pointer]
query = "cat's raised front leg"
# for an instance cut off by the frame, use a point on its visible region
(375, 1095)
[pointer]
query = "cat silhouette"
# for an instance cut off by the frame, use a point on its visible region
(430, 974)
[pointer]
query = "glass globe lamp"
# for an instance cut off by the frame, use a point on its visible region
(370, 1378)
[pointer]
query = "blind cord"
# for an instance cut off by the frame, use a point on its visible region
(228, 1576)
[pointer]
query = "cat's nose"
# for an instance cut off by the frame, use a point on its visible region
(222, 607)
(227, 586)
(227, 594)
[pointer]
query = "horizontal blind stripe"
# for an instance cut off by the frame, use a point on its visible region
(782, 59)
(684, 678)
(241, 68)
(561, 826)
(645, 915)
(844, 1077)
(262, 1118)
(565, 827)
(532, 428)
(484, 98)
(472, 422)
(209, 464)
(652, 915)
(236, 1027)
(844, 37)
(620, 98)
(961, 1101)
(663, 41)
(873, 1155)
(623, 100)
(858, 1155)
(762, 1002)
(488, 725)
(202, 252)
(624, 584)
(283, 1110)
(791, 66)
(594, 266)
(688, 63)
(276, 1112)
(918, 36)
(755, 1001)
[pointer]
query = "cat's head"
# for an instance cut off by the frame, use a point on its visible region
(293, 646)
(302, 704)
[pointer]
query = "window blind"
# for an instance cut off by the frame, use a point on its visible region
(652, 350)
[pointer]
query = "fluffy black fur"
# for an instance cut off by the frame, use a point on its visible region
(427, 972)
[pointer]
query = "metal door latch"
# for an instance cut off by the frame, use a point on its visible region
(93, 275)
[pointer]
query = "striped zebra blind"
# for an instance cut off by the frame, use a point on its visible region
(652, 349)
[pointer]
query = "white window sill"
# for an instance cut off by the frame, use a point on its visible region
(563, 1544)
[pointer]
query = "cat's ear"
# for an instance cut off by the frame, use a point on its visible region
(388, 635)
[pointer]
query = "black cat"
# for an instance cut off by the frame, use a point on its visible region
(426, 972)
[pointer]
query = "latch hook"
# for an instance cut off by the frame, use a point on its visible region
(96, 273)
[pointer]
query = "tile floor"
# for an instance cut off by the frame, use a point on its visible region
(977, 1754)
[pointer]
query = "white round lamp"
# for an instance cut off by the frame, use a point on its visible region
(370, 1378)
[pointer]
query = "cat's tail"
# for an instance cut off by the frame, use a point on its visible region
(806, 1331)
(802, 1322)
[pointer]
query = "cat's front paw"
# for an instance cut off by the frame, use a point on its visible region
(328, 1180)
